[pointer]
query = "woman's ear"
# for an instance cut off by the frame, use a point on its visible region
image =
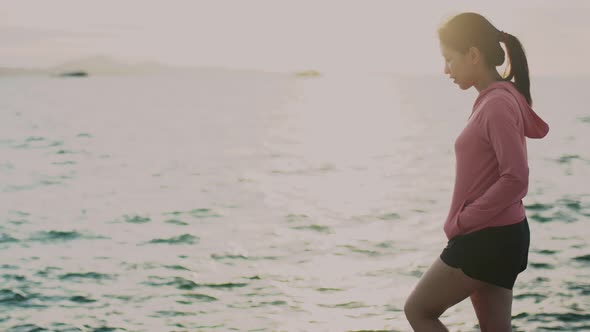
(474, 55)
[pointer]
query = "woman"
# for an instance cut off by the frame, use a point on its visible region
(487, 228)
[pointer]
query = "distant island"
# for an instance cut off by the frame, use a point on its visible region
(104, 65)
(101, 65)
(73, 74)
(84, 67)
(308, 73)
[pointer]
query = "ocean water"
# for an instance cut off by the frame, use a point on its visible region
(233, 201)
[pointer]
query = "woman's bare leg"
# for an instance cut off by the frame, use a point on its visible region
(439, 288)
(493, 307)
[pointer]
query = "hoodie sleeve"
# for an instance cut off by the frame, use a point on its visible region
(501, 126)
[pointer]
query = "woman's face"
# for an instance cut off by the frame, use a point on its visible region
(458, 66)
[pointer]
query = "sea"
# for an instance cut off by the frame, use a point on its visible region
(229, 200)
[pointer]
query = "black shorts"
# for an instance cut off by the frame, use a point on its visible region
(494, 254)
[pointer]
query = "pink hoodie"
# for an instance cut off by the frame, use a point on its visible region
(492, 173)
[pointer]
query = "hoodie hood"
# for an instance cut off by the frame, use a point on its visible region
(534, 126)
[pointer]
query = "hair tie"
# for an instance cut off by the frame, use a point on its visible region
(503, 36)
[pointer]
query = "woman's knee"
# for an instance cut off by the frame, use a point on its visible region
(410, 309)
(416, 308)
(413, 312)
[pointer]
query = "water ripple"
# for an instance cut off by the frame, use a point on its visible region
(180, 239)
(87, 275)
(62, 236)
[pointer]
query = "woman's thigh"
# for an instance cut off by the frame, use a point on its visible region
(493, 308)
(439, 288)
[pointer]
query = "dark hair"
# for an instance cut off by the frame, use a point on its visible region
(471, 29)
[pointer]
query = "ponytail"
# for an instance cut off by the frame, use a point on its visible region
(517, 62)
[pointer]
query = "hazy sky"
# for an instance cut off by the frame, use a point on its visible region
(362, 35)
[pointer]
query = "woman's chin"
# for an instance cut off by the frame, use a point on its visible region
(463, 86)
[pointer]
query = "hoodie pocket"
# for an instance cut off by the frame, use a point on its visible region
(457, 222)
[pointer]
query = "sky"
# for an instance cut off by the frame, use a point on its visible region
(275, 35)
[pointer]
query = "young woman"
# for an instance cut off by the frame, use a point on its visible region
(487, 228)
